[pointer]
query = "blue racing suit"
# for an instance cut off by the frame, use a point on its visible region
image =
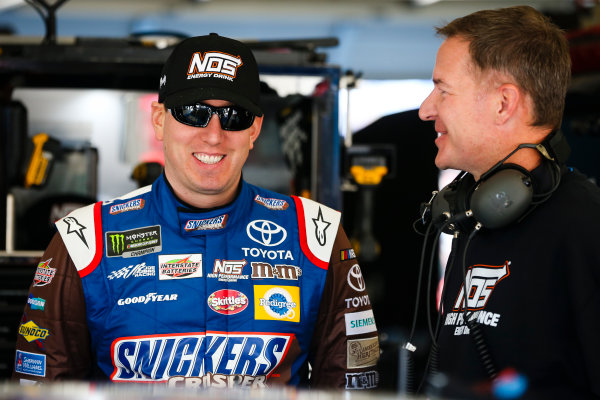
(145, 288)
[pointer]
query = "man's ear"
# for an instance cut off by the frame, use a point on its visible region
(509, 99)
(158, 119)
(255, 130)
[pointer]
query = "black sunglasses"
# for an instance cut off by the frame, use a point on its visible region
(232, 118)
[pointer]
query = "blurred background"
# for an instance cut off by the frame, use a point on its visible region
(342, 82)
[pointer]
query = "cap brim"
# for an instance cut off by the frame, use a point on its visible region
(191, 96)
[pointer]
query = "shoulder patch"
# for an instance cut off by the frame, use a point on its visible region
(318, 225)
(81, 231)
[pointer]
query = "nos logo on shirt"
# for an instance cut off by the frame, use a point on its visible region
(481, 281)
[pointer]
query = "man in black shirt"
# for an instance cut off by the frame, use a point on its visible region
(522, 287)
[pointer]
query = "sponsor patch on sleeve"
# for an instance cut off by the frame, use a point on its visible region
(362, 353)
(362, 380)
(277, 303)
(347, 254)
(44, 273)
(30, 363)
(32, 332)
(36, 303)
(360, 322)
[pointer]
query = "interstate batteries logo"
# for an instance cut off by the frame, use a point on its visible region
(179, 266)
(277, 303)
(44, 273)
(133, 243)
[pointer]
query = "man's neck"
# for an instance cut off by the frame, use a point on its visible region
(205, 202)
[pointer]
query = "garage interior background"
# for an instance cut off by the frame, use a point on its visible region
(377, 57)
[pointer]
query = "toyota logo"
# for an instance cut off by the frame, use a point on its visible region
(266, 232)
(355, 279)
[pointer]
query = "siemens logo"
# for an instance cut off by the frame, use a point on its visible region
(157, 358)
(360, 322)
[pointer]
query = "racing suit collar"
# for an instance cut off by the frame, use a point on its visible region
(195, 221)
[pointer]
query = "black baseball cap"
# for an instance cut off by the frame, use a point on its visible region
(210, 67)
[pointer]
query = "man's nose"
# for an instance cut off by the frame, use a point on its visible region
(212, 133)
(427, 111)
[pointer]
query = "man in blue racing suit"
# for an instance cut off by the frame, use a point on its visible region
(201, 279)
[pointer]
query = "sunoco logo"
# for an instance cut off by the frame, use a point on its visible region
(134, 243)
(266, 232)
(31, 331)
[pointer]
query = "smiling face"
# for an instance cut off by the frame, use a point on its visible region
(203, 165)
(463, 106)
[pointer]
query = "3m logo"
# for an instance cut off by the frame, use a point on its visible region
(214, 62)
(481, 281)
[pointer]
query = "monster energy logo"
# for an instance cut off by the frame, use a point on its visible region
(134, 242)
(118, 243)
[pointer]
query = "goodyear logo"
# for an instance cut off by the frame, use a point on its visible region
(134, 242)
(277, 303)
(158, 358)
(31, 331)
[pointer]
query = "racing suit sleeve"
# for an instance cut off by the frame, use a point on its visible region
(345, 345)
(53, 341)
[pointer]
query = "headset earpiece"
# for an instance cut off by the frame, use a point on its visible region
(503, 197)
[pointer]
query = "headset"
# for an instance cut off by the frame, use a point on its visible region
(502, 196)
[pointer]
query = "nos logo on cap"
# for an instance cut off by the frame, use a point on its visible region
(214, 62)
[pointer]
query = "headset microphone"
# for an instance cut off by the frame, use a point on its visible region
(501, 196)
